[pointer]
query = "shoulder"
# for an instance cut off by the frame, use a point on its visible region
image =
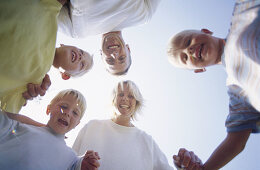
(95, 123)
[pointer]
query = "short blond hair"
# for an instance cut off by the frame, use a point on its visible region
(136, 93)
(78, 97)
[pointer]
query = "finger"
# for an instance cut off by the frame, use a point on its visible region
(39, 90)
(46, 82)
(192, 162)
(97, 155)
(27, 96)
(25, 103)
(186, 159)
(31, 90)
(176, 160)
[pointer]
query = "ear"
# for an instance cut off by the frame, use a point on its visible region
(127, 46)
(65, 76)
(200, 70)
(206, 31)
(48, 111)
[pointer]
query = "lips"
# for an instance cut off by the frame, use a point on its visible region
(74, 57)
(113, 46)
(63, 122)
(123, 106)
(199, 51)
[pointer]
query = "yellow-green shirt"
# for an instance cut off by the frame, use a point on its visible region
(28, 30)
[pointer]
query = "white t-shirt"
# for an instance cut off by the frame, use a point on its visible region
(120, 147)
(92, 17)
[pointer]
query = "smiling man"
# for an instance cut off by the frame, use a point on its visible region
(193, 49)
(81, 18)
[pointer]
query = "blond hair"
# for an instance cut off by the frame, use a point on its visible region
(136, 93)
(76, 94)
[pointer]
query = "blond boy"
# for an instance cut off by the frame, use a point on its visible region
(239, 54)
(27, 42)
(27, 147)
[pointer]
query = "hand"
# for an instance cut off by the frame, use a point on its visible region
(33, 90)
(187, 160)
(90, 161)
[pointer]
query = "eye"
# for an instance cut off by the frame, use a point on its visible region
(188, 42)
(75, 113)
(110, 61)
(82, 64)
(81, 51)
(130, 96)
(121, 58)
(121, 94)
(184, 58)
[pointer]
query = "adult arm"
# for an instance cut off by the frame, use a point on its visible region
(24, 119)
(232, 145)
(90, 161)
(33, 90)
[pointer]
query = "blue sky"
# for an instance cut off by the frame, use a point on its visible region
(182, 109)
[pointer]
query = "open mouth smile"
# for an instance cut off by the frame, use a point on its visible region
(63, 122)
(74, 57)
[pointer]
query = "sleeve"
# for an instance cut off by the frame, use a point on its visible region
(79, 141)
(242, 115)
(77, 164)
(159, 159)
(6, 125)
(12, 102)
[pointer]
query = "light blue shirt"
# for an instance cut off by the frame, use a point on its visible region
(26, 147)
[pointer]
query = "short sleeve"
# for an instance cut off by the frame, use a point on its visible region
(242, 115)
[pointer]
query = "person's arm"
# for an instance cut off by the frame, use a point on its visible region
(232, 145)
(187, 160)
(62, 2)
(90, 161)
(33, 90)
(24, 119)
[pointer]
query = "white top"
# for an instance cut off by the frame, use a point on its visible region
(120, 147)
(242, 51)
(92, 17)
(26, 147)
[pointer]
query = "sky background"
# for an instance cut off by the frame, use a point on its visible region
(182, 109)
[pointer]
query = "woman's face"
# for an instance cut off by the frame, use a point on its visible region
(125, 101)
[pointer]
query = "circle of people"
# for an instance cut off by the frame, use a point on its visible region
(27, 41)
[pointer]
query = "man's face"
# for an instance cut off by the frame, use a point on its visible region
(115, 54)
(196, 49)
(65, 114)
(74, 60)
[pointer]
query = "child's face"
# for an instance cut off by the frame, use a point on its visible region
(125, 101)
(73, 60)
(65, 114)
(196, 49)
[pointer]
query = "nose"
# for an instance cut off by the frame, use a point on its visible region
(67, 113)
(114, 54)
(191, 50)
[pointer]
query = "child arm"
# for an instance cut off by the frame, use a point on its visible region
(24, 119)
(232, 145)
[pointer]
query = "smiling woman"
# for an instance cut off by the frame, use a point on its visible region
(135, 145)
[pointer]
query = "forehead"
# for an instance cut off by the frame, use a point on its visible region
(179, 40)
(124, 87)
